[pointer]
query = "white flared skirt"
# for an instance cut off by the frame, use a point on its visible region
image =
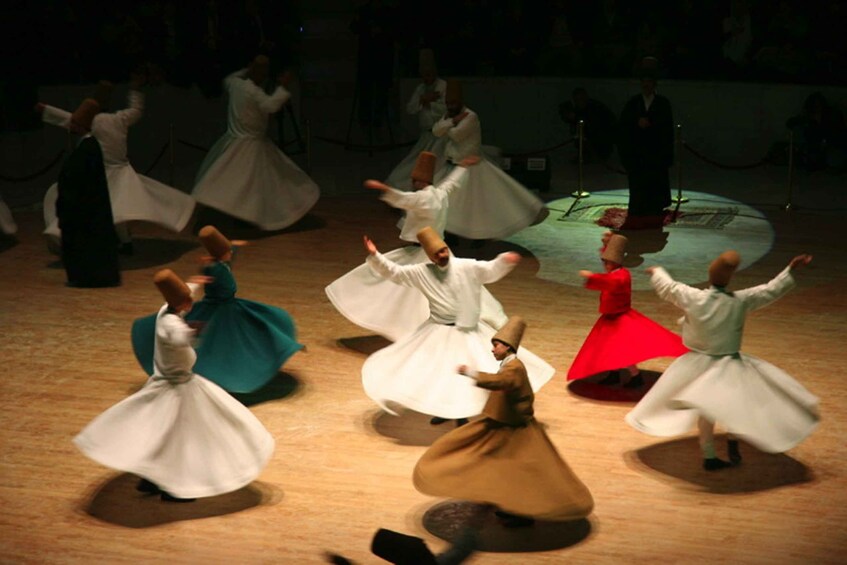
(749, 397)
(133, 197)
(491, 205)
(419, 371)
(191, 439)
(251, 179)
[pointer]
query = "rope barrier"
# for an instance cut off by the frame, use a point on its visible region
(38, 173)
(157, 159)
(763, 161)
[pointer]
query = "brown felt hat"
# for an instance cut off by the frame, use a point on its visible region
(615, 249)
(85, 112)
(214, 241)
(424, 167)
(453, 92)
(173, 288)
(511, 333)
(722, 268)
(430, 241)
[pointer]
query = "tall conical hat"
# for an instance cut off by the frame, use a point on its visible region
(426, 61)
(103, 93)
(615, 249)
(214, 241)
(173, 288)
(511, 333)
(722, 268)
(261, 61)
(424, 167)
(85, 112)
(430, 241)
(453, 92)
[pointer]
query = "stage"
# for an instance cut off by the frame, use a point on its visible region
(342, 468)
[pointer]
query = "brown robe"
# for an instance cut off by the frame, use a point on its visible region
(505, 459)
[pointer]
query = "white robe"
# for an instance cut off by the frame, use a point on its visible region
(7, 222)
(493, 205)
(400, 176)
(245, 174)
(751, 398)
(181, 431)
(390, 309)
(419, 370)
(133, 197)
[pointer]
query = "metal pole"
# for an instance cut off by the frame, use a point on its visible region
(788, 204)
(579, 194)
(171, 152)
(679, 199)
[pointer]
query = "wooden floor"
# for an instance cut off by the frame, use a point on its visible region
(342, 469)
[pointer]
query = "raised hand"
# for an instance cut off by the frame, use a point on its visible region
(376, 185)
(585, 274)
(370, 246)
(469, 161)
(800, 261)
(512, 258)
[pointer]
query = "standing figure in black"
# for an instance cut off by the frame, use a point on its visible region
(645, 146)
(89, 241)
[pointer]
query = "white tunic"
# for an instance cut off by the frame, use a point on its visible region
(390, 309)
(425, 207)
(748, 396)
(492, 205)
(245, 174)
(7, 222)
(133, 197)
(419, 371)
(180, 431)
(400, 176)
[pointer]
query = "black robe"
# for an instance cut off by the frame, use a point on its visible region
(647, 153)
(89, 241)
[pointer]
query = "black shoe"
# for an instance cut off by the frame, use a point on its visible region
(126, 249)
(734, 453)
(635, 382)
(611, 379)
(715, 464)
(171, 498)
(435, 420)
(461, 422)
(147, 487)
(513, 520)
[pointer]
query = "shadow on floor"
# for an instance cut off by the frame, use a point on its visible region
(409, 427)
(282, 385)
(446, 520)
(366, 344)
(118, 502)
(681, 459)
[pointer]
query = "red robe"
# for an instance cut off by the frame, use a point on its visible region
(622, 336)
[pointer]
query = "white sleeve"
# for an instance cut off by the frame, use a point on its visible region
(56, 116)
(175, 331)
(230, 79)
(442, 126)
(759, 296)
(455, 179)
(414, 104)
(670, 290)
(272, 103)
(403, 200)
(131, 114)
(464, 129)
(387, 269)
(494, 270)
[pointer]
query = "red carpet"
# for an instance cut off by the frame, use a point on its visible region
(617, 218)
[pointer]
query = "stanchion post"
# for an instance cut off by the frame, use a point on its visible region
(678, 199)
(579, 193)
(171, 153)
(788, 204)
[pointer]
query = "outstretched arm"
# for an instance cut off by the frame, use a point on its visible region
(492, 271)
(764, 294)
(387, 269)
(668, 289)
